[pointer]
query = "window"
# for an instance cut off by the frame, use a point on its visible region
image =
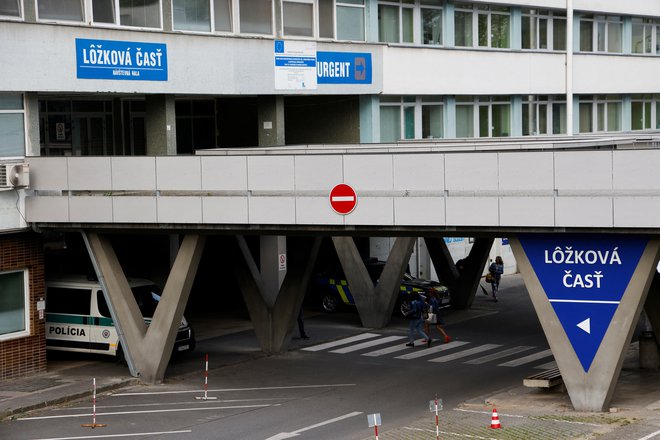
(600, 113)
(350, 19)
(645, 113)
(10, 8)
(411, 117)
(395, 22)
(139, 13)
(191, 15)
(543, 30)
(488, 26)
(68, 301)
(65, 10)
(645, 35)
(12, 125)
(256, 17)
(542, 114)
(222, 16)
(431, 13)
(14, 305)
(298, 18)
(601, 33)
(485, 116)
(195, 125)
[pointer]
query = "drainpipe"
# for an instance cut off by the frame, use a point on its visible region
(569, 67)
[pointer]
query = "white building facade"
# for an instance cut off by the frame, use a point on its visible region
(170, 77)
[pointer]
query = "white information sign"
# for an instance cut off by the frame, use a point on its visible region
(282, 261)
(374, 420)
(295, 65)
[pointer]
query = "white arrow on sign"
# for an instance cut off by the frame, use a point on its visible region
(586, 325)
(285, 435)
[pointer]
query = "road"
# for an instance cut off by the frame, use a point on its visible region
(323, 389)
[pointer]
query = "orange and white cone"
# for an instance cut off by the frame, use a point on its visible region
(495, 420)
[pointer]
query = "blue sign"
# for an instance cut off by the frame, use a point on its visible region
(128, 60)
(343, 68)
(584, 277)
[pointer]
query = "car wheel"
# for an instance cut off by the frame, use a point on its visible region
(404, 307)
(329, 303)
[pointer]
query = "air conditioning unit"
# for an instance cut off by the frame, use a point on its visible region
(14, 175)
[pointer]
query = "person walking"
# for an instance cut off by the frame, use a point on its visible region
(496, 270)
(434, 317)
(417, 307)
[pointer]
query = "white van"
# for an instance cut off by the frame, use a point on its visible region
(78, 318)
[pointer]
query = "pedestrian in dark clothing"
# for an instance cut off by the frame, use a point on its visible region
(417, 307)
(434, 317)
(301, 325)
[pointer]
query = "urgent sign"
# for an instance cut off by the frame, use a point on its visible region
(343, 68)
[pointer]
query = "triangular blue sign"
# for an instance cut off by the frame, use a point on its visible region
(584, 277)
(585, 325)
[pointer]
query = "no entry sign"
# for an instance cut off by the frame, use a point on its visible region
(343, 199)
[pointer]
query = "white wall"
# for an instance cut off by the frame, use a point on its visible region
(594, 189)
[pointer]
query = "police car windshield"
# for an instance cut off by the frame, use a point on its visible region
(147, 299)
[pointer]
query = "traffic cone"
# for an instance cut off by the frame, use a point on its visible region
(495, 420)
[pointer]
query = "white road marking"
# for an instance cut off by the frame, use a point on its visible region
(367, 344)
(498, 355)
(528, 417)
(120, 413)
(188, 402)
(489, 412)
(225, 390)
(547, 366)
(455, 434)
(285, 435)
(650, 435)
(187, 431)
(344, 341)
(465, 353)
(390, 350)
(527, 359)
(434, 349)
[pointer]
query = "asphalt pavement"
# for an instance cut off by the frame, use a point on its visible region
(524, 413)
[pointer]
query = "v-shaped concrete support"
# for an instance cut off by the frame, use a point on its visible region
(147, 348)
(589, 390)
(273, 319)
(375, 304)
(463, 285)
(652, 306)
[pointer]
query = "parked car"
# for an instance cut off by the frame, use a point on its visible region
(78, 318)
(330, 289)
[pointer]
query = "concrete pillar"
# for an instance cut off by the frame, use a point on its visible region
(32, 117)
(271, 121)
(271, 248)
(465, 287)
(652, 306)
(375, 304)
(160, 125)
(442, 261)
(590, 384)
(274, 321)
(147, 348)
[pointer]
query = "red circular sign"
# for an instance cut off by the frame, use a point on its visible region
(343, 199)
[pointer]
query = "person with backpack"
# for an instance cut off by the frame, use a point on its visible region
(416, 320)
(495, 270)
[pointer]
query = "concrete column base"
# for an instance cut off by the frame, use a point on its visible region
(274, 320)
(147, 348)
(375, 304)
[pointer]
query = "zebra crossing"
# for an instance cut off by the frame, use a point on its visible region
(377, 345)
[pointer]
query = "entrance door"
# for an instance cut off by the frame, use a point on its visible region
(91, 135)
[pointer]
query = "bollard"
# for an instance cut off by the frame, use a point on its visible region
(94, 424)
(206, 380)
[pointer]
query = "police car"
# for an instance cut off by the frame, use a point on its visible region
(78, 318)
(331, 290)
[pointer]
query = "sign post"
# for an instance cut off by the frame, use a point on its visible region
(374, 421)
(435, 405)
